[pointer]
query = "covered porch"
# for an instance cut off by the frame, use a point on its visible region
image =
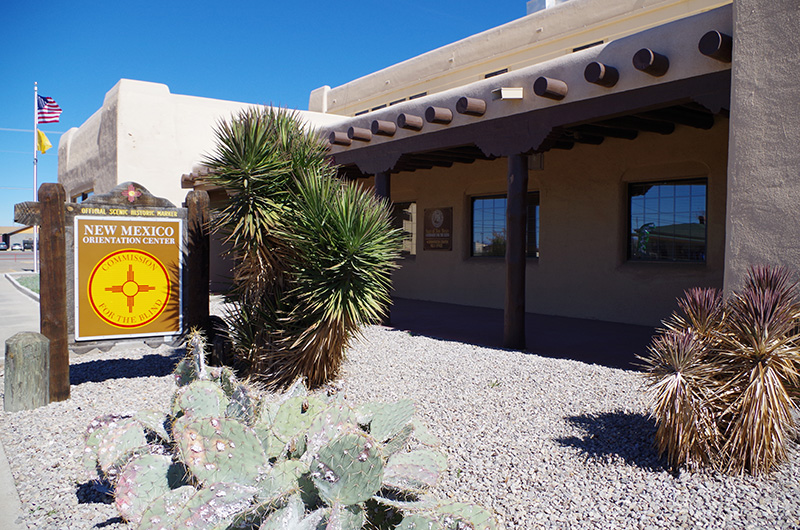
(631, 110)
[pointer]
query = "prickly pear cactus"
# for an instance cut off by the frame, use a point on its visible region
(346, 517)
(242, 405)
(294, 417)
(142, 480)
(330, 423)
(215, 507)
(388, 419)
(118, 441)
(94, 433)
(415, 471)
(163, 511)
(460, 516)
(200, 399)
(220, 450)
(296, 462)
(152, 421)
(348, 470)
(282, 480)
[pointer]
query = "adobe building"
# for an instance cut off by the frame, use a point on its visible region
(590, 160)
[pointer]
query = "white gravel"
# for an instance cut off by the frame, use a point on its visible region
(544, 443)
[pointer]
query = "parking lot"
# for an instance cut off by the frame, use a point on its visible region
(13, 260)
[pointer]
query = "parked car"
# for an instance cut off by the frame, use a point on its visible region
(3, 245)
(27, 244)
(16, 246)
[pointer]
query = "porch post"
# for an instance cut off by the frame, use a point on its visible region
(383, 181)
(516, 222)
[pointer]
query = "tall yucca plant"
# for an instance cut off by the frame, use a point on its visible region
(314, 254)
(258, 153)
(345, 250)
(722, 376)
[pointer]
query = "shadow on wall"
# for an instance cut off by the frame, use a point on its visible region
(612, 435)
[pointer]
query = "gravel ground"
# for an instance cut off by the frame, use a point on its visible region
(544, 443)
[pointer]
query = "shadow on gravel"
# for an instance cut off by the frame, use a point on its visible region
(616, 434)
(95, 491)
(112, 521)
(98, 371)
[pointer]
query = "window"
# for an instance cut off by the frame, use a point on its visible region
(496, 73)
(489, 226)
(404, 217)
(667, 221)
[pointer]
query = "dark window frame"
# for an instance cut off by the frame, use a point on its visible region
(397, 222)
(681, 245)
(532, 225)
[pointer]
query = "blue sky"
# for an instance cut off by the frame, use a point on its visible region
(255, 52)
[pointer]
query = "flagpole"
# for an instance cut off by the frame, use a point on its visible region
(35, 166)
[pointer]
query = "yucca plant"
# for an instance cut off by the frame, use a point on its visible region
(723, 376)
(760, 355)
(314, 254)
(345, 250)
(684, 393)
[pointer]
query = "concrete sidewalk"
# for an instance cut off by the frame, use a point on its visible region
(19, 313)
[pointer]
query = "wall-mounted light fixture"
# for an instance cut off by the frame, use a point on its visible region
(507, 93)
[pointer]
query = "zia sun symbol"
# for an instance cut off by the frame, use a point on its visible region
(131, 193)
(130, 288)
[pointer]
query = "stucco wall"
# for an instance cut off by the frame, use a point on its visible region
(145, 134)
(583, 271)
(764, 172)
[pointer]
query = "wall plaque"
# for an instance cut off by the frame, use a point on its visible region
(438, 229)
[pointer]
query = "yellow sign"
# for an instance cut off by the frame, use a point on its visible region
(127, 281)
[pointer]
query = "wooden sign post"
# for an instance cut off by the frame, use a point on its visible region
(112, 267)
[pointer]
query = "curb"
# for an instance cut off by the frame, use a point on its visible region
(10, 506)
(24, 290)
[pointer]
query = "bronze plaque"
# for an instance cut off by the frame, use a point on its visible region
(438, 228)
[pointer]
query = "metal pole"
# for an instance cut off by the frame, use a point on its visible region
(35, 166)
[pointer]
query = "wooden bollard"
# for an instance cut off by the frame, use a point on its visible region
(27, 377)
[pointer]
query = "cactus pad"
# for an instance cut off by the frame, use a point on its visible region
(348, 470)
(390, 418)
(118, 441)
(141, 481)
(456, 515)
(286, 518)
(220, 450)
(200, 399)
(163, 511)
(346, 518)
(226, 379)
(295, 416)
(281, 480)
(242, 405)
(152, 421)
(399, 441)
(330, 423)
(420, 522)
(215, 507)
(423, 435)
(416, 470)
(94, 433)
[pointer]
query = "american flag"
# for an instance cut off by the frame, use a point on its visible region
(49, 111)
